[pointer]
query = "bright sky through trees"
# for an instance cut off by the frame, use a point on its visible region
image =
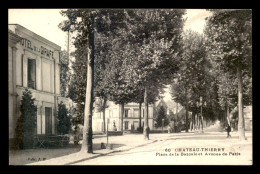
(44, 22)
(196, 19)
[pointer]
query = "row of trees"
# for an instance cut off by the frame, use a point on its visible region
(129, 55)
(217, 67)
(135, 53)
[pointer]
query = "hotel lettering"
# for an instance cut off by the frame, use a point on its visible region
(43, 51)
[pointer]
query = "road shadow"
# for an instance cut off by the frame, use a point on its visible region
(109, 153)
(114, 146)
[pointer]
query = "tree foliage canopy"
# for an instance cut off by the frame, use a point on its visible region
(229, 37)
(229, 46)
(64, 119)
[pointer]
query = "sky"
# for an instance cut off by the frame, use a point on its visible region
(196, 19)
(44, 22)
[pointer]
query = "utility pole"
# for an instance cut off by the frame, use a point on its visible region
(107, 130)
(68, 45)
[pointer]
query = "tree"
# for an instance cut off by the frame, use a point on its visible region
(154, 37)
(161, 115)
(26, 123)
(119, 90)
(112, 81)
(86, 23)
(77, 84)
(108, 24)
(64, 119)
(82, 21)
(189, 84)
(229, 37)
(138, 97)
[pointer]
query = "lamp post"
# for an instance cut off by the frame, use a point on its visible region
(55, 93)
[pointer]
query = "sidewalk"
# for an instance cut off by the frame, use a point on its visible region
(119, 143)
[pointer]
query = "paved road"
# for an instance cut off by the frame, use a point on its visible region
(178, 149)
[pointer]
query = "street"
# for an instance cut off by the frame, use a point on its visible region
(208, 148)
(165, 151)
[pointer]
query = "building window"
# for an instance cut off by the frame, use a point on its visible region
(143, 113)
(48, 122)
(126, 125)
(126, 113)
(32, 73)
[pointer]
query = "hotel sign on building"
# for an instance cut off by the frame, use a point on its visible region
(33, 62)
(42, 50)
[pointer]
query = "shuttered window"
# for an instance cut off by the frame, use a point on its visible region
(32, 73)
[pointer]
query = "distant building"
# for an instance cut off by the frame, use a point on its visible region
(33, 63)
(130, 117)
(248, 118)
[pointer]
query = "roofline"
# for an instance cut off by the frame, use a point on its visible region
(14, 37)
(38, 37)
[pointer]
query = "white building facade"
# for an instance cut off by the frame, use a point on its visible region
(33, 63)
(130, 118)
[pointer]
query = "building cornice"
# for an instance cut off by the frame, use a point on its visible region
(37, 91)
(35, 36)
(13, 38)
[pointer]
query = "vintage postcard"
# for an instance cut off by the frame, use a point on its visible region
(130, 86)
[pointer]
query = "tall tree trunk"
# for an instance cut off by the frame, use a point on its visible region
(198, 121)
(87, 144)
(177, 119)
(104, 114)
(191, 124)
(146, 126)
(193, 121)
(140, 116)
(224, 119)
(187, 113)
(201, 119)
(87, 129)
(177, 112)
(122, 116)
(228, 116)
(241, 123)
